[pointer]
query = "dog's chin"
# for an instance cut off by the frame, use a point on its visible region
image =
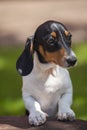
(67, 66)
(63, 64)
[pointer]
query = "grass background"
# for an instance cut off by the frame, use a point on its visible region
(10, 82)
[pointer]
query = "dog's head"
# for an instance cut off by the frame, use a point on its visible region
(52, 42)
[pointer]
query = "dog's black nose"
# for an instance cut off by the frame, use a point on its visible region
(72, 61)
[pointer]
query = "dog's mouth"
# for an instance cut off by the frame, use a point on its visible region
(65, 62)
(68, 62)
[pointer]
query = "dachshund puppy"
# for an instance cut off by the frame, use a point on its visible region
(47, 88)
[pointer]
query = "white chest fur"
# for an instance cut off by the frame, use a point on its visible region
(46, 83)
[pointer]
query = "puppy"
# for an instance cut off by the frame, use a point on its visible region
(47, 88)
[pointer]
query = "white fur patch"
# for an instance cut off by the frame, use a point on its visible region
(47, 87)
(20, 71)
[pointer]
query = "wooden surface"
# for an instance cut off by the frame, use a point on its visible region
(21, 122)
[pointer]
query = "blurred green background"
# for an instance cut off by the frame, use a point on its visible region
(18, 20)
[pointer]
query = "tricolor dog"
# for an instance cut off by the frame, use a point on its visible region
(47, 88)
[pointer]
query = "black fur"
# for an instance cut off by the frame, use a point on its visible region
(43, 37)
(24, 64)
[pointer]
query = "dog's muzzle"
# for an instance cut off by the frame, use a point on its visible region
(71, 61)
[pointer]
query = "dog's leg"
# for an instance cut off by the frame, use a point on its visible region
(36, 116)
(64, 110)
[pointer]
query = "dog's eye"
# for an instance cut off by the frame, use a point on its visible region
(69, 37)
(51, 41)
(52, 44)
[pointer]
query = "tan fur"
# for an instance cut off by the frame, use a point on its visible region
(53, 34)
(66, 33)
(31, 48)
(55, 57)
(41, 51)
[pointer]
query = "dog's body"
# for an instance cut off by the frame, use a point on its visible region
(47, 88)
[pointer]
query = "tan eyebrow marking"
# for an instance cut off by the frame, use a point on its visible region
(66, 33)
(53, 34)
(31, 48)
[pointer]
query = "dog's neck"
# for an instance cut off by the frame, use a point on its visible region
(48, 68)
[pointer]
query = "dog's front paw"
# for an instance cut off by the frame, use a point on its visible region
(37, 118)
(66, 115)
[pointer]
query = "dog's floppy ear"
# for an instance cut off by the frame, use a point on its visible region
(24, 63)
